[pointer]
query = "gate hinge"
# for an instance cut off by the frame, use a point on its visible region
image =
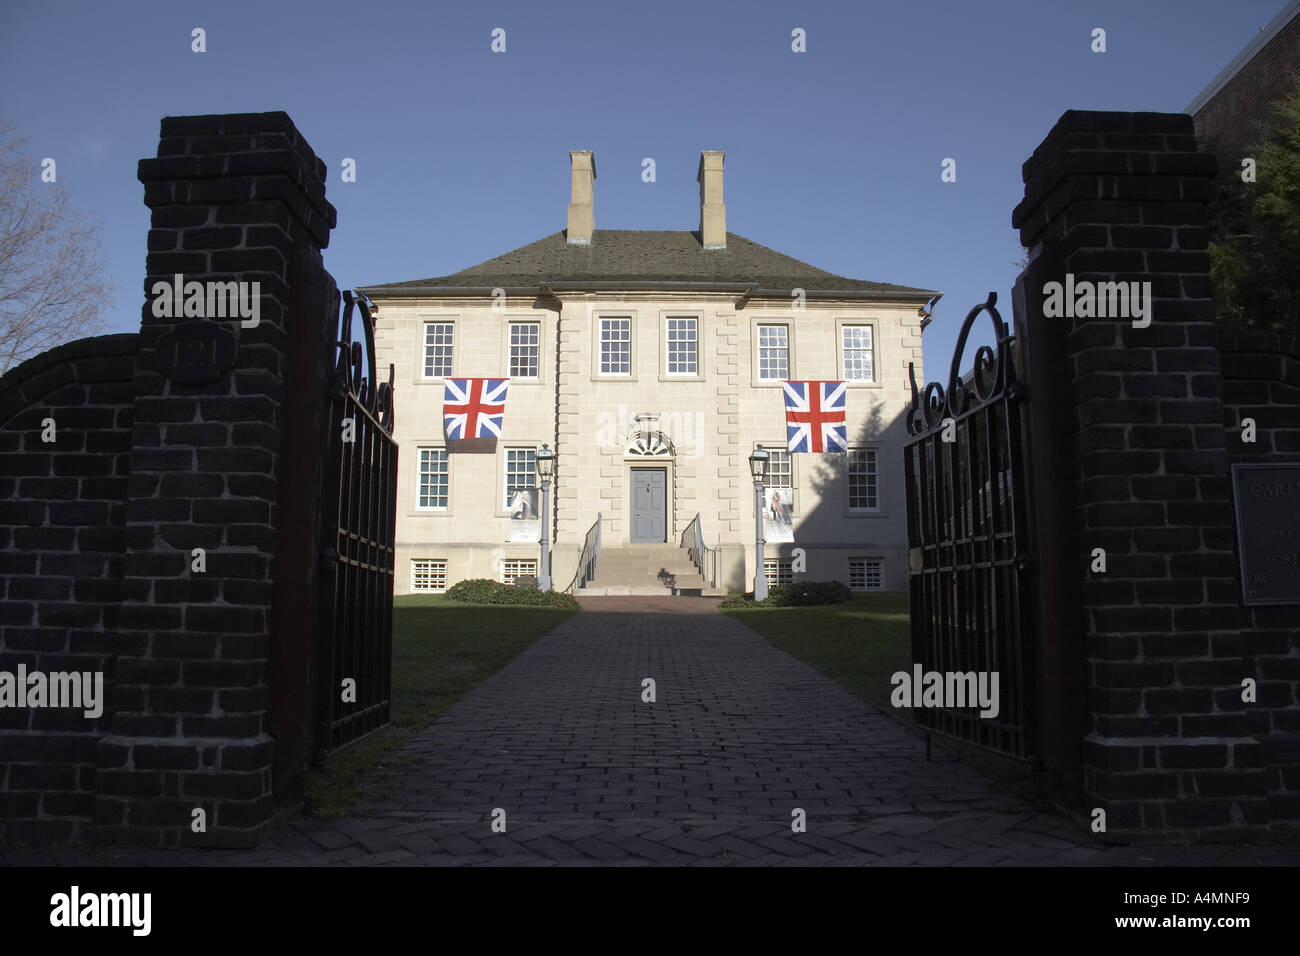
(329, 556)
(1024, 563)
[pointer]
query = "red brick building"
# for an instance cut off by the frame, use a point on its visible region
(1228, 113)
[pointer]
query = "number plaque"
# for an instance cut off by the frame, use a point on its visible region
(192, 353)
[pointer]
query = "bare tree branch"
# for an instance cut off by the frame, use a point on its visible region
(53, 284)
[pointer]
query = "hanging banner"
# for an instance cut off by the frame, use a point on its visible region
(778, 514)
(524, 525)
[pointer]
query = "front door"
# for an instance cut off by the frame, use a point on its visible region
(649, 504)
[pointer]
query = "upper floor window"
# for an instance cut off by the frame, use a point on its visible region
(616, 346)
(683, 346)
(773, 353)
(525, 349)
(857, 355)
(438, 342)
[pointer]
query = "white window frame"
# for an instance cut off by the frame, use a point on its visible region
(419, 479)
(840, 326)
(778, 571)
(435, 568)
(775, 454)
(425, 323)
(759, 326)
(598, 352)
(865, 561)
(848, 487)
(510, 346)
(512, 568)
(666, 319)
(506, 486)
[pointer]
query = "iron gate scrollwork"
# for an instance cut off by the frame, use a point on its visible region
(971, 556)
(358, 562)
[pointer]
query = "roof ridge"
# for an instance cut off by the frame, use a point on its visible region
(655, 256)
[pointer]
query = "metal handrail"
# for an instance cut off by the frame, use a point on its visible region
(704, 558)
(587, 561)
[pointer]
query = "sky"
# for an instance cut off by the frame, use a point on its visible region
(833, 155)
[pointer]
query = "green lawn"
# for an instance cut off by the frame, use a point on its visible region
(860, 644)
(441, 650)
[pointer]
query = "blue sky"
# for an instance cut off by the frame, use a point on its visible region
(833, 155)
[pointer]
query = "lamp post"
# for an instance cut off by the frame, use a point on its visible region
(544, 462)
(758, 468)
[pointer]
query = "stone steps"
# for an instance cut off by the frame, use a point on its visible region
(647, 569)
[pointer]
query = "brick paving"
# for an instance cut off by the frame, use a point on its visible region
(740, 734)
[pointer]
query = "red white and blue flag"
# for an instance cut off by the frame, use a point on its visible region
(474, 407)
(815, 416)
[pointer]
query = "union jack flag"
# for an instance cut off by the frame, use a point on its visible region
(474, 407)
(815, 416)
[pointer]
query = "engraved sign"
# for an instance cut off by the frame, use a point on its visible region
(192, 353)
(1268, 531)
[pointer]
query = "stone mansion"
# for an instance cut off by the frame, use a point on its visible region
(652, 363)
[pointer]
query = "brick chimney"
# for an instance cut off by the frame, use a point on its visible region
(582, 221)
(713, 214)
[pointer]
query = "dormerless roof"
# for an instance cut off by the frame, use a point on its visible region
(641, 258)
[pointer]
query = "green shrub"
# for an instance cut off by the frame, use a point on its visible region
(535, 597)
(798, 594)
(487, 591)
(474, 591)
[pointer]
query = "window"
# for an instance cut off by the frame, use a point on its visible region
(512, 568)
(433, 478)
(428, 575)
(866, 574)
(778, 571)
(857, 354)
(616, 346)
(862, 479)
(437, 349)
(773, 353)
(780, 472)
(525, 349)
(683, 346)
(521, 471)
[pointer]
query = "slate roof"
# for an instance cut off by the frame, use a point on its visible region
(641, 258)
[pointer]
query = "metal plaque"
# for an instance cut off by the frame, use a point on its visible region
(1268, 531)
(193, 353)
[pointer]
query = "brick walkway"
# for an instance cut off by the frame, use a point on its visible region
(740, 735)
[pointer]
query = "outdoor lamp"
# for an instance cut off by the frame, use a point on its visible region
(544, 462)
(758, 468)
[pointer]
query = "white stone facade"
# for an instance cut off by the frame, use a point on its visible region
(703, 427)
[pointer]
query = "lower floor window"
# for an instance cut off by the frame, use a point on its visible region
(778, 571)
(428, 575)
(512, 568)
(866, 574)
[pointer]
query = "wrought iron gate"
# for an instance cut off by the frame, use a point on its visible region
(970, 557)
(357, 565)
